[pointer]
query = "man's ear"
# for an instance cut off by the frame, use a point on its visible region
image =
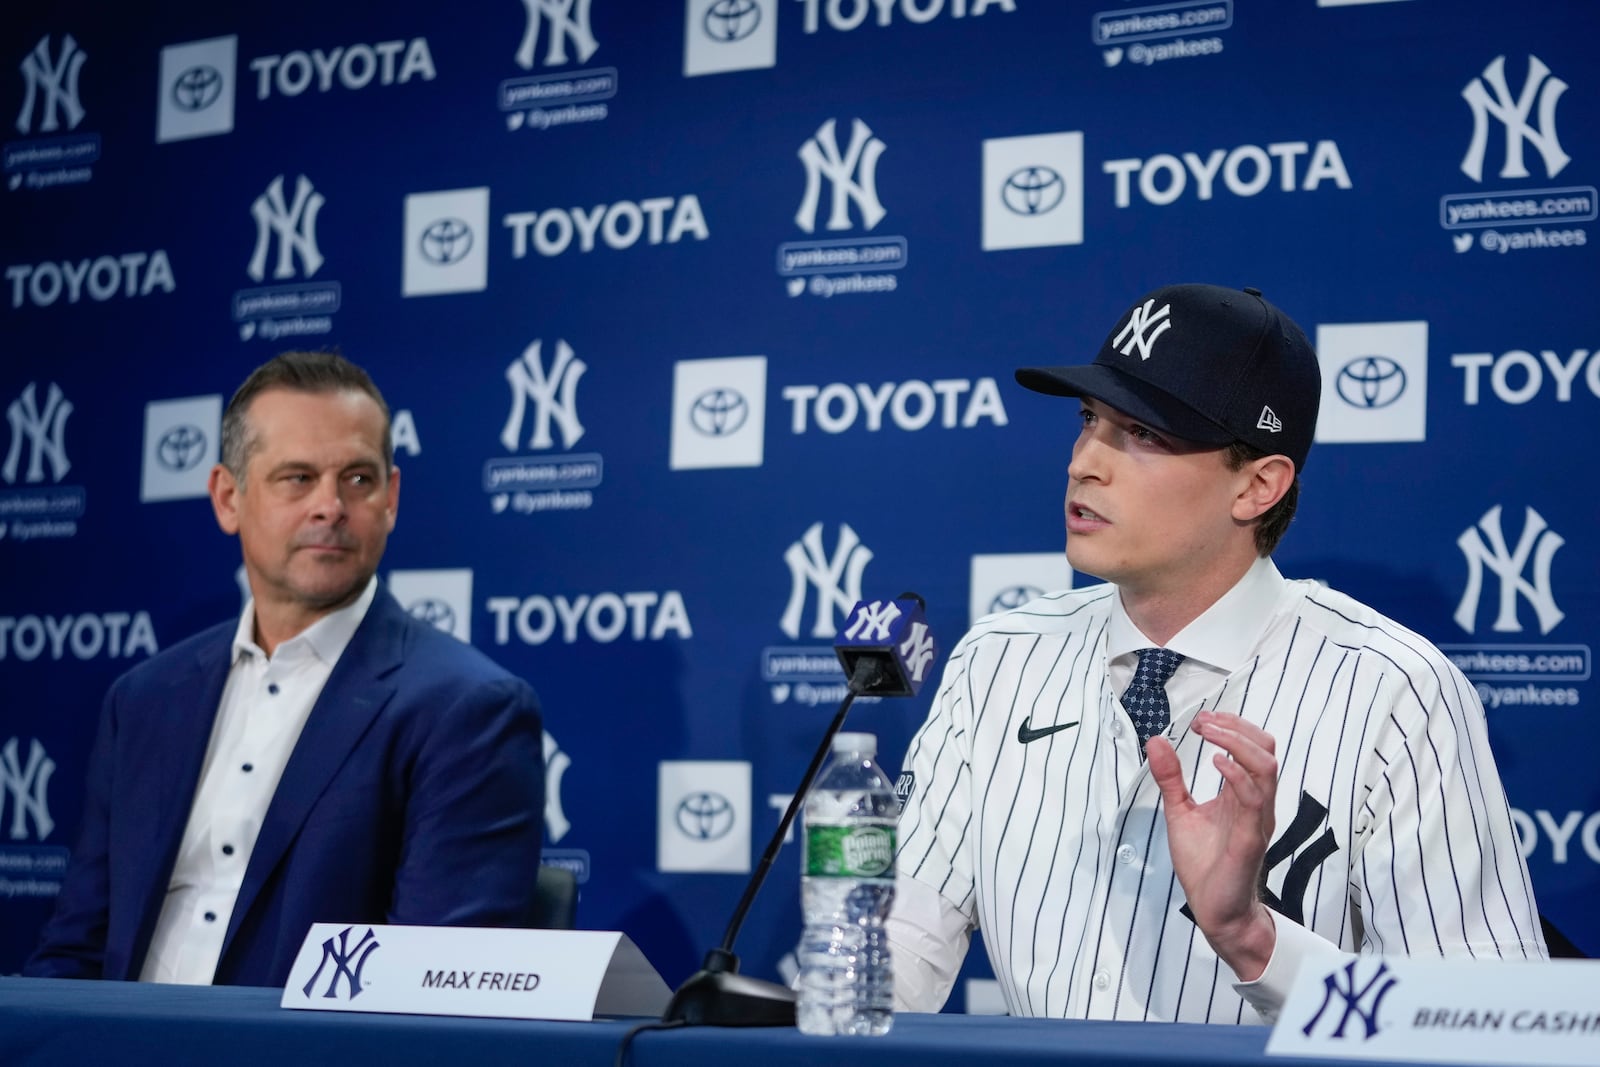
(394, 496)
(225, 491)
(1268, 479)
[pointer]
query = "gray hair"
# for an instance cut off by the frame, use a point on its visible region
(300, 372)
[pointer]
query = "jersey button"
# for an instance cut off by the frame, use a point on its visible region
(1126, 854)
(1102, 980)
(1115, 729)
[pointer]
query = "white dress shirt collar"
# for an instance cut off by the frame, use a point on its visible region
(325, 639)
(1224, 634)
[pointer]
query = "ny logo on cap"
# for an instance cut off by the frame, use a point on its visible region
(1142, 329)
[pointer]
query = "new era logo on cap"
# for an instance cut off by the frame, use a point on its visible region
(1269, 421)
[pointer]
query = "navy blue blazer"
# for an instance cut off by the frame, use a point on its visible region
(415, 795)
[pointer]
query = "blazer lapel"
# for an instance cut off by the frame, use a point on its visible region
(180, 717)
(355, 693)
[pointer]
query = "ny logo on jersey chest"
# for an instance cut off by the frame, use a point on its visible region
(1290, 903)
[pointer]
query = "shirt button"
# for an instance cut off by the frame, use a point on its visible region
(273, 688)
(1126, 854)
(227, 850)
(248, 767)
(1115, 728)
(1102, 980)
(211, 916)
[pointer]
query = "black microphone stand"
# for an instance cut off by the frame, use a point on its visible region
(717, 994)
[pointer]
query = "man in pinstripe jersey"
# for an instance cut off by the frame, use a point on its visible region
(1317, 779)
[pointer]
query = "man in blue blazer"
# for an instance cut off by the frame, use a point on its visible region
(326, 758)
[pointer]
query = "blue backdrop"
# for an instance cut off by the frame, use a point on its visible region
(699, 316)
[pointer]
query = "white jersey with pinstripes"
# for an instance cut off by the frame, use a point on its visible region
(1393, 833)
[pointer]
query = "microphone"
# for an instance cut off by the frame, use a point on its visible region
(886, 649)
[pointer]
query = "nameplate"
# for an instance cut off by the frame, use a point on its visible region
(1444, 1011)
(452, 970)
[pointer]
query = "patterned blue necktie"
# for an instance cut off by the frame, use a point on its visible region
(1146, 698)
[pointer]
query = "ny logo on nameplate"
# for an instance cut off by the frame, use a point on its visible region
(1443, 1011)
(444, 970)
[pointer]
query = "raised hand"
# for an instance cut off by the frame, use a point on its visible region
(1218, 846)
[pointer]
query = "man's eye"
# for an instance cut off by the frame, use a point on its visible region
(1145, 435)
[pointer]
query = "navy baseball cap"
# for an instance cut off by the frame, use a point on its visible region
(1206, 364)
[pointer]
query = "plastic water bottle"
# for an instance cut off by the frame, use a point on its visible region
(847, 886)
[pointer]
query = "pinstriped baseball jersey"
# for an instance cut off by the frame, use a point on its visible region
(1392, 829)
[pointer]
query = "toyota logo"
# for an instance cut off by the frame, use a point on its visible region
(197, 88)
(1013, 597)
(435, 613)
(1371, 382)
(731, 20)
(181, 448)
(1032, 190)
(446, 241)
(718, 412)
(705, 816)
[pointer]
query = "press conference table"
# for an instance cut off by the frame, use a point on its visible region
(55, 1023)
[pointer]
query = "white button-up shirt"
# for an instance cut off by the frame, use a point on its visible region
(1214, 645)
(265, 703)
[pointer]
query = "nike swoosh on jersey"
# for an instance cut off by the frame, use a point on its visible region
(1024, 734)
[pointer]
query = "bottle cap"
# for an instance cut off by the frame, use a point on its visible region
(864, 743)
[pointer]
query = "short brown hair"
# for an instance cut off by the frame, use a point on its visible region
(1272, 525)
(300, 372)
